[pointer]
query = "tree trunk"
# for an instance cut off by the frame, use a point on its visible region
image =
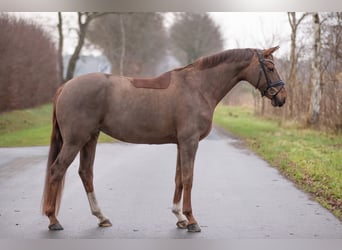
(314, 109)
(60, 47)
(81, 38)
(292, 77)
(123, 45)
(84, 18)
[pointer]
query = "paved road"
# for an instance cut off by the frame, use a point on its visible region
(235, 195)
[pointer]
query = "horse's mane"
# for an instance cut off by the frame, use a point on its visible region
(232, 55)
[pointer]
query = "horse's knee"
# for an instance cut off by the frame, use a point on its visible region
(83, 173)
(56, 177)
(187, 179)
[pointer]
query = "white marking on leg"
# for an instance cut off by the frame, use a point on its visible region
(177, 210)
(94, 207)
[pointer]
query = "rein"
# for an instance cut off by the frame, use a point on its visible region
(270, 84)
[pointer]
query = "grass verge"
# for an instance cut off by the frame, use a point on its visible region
(311, 159)
(30, 127)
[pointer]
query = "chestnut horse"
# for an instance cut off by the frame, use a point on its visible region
(176, 107)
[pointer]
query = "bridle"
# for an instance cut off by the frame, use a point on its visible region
(269, 83)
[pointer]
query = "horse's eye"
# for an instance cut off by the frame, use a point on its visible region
(270, 69)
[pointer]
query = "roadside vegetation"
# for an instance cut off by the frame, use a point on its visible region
(311, 159)
(29, 127)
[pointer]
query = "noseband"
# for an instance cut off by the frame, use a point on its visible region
(269, 83)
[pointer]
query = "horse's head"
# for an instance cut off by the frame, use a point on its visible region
(264, 76)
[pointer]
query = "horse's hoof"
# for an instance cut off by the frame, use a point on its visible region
(55, 227)
(182, 224)
(105, 223)
(194, 228)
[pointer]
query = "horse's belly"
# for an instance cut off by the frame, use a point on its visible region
(141, 138)
(145, 131)
(140, 115)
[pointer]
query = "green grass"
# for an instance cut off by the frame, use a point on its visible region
(30, 127)
(312, 159)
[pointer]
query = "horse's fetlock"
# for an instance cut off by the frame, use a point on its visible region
(187, 212)
(49, 212)
(96, 213)
(176, 211)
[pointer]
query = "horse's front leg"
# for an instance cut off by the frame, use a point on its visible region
(187, 152)
(182, 222)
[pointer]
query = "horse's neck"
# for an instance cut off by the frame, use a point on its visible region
(216, 82)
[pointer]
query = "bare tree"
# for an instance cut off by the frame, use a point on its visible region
(331, 64)
(60, 46)
(194, 35)
(84, 19)
(316, 72)
(294, 53)
(134, 43)
(331, 40)
(123, 44)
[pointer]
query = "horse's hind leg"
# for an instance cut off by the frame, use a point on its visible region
(177, 206)
(55, 184)
(87, 156)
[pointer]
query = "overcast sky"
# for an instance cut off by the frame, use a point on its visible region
(253, 29)
(239, 29)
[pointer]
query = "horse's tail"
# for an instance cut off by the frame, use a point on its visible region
(56, 143)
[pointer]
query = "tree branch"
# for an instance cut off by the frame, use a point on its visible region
(83, 25)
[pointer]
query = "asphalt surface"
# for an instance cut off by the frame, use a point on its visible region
(236, 195)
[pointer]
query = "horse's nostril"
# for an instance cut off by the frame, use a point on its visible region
(282, 102)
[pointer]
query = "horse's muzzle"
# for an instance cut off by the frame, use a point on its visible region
(278, 101)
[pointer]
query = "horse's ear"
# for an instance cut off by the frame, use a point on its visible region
(268, 52)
